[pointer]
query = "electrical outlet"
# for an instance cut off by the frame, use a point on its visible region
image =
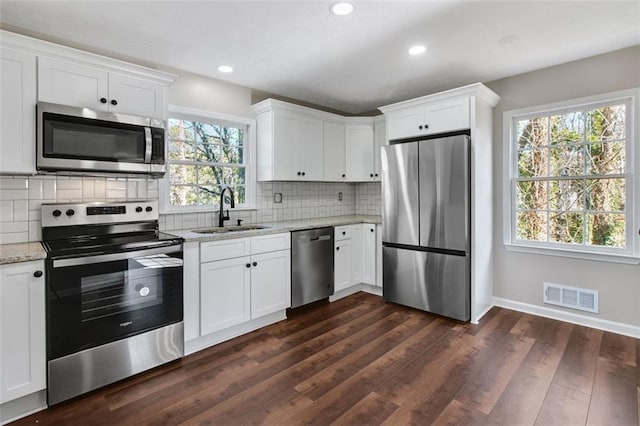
(339, 196)
(277, 197)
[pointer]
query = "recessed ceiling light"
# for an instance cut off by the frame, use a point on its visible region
(417, 50)
(225, 69)
(341, 8)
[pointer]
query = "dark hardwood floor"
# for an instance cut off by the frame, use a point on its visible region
(360, 361)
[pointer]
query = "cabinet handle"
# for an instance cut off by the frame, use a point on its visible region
(338, 248)
(37, 274)
(114, 102)
(255, 263)
(248, 265)
(103, 100)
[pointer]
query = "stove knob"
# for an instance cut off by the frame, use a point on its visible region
(138, 209)
(70, 212)
(149, 208)
(56, 213)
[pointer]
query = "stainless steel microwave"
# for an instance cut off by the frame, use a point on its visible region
(84, 141)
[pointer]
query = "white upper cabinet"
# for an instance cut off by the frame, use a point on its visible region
(435, 117)
(379, 139)
(335, 165)
(360, 153)
(17, 111)
(290, 144)
(68, 83)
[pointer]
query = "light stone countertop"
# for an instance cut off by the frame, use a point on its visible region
(21, 252)
(277, 227)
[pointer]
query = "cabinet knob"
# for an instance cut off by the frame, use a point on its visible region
(371, 175)
(426, 126)
(255, 263)
(303, 173)
(343, 175)
(344, 232)
(420, 127)
(371, 230)
(37, 274)
(103, 100)
(248, 265)
(338, 248)
(299, 173)
(114, 102)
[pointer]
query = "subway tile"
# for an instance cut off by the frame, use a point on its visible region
(36, 189)
(49, 189)
(14, 183)
(35, 231)
(6, 211)
(69, 195)
(12, 238)
(14, 194)
(21, 210)
(99, 189)
(69, 184)
(14, 227)
(88, 189)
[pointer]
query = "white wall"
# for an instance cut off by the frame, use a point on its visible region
(519, 276)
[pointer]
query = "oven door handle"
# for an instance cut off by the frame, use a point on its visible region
(148, 145)
(101, 258)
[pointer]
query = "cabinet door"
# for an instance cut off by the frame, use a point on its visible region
(369, 254)
(360, 153)
(72, 84)
(270, 283)
(380, 139)
(405, 123)
(285, 144)
(225, 294)
(334, 152)
(356, 254)
(17, 111)
(310, 148)
(379, 256)
(447, 116)
(22, 330)
(342, 265)
(135, 96)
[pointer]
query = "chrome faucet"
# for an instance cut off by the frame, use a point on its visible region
(221, 216)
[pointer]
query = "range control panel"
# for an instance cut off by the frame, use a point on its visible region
(94, 213)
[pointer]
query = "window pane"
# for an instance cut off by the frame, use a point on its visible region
(531, 226)
(209, 195)
(605, 195)
(180, 130)
(606, 230)
(566, 195)
(567, 128)
(606, 123)
(566, 228)
(533, 163)
(209, 175)
(234, 175)
(207, 133)
(181, 151)
(208, 153)
(232, 154)
(532, 133)
(241, 194)
(232, 136)
(566, 161)
(183, 195)
(604, 158)
(184, 174)
(531, 195)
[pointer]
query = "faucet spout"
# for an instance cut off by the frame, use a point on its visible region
(221, 216)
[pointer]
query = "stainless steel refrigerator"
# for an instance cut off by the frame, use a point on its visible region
(425, 225)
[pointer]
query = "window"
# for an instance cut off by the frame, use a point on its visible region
(205, 153)
(570, 176)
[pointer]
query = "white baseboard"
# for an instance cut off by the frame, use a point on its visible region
(367, 288)
(22, 407)
(371, 289)
(477, 319)
(556, 314)
(204, 342)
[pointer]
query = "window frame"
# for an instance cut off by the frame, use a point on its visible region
(629, 254)
(204, 116)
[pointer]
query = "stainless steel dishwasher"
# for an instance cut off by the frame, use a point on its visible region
(311, 265)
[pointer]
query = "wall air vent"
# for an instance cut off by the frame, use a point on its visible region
(571, 297)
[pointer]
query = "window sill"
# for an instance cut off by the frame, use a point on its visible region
(599, 257)
(203, 209)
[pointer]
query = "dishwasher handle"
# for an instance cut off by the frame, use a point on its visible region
(321, 238)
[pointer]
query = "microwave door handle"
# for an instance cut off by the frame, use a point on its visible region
(147, 149)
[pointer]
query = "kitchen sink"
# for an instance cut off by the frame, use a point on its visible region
(229, 229)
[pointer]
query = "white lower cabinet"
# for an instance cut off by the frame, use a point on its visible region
(369, 253)
(22, 330)
(243, 279)
(379, 256)
(342, 265)
(355, 256)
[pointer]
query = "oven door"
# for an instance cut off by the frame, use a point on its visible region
(99, 299)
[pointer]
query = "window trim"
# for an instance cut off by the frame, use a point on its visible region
(631, 254)
(193, 114)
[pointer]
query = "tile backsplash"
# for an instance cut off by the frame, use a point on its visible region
(21, 199)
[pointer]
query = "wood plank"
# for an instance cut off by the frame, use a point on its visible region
(563, 406)
(523, 397)
(482, 391)
(619, 349)
(457, 413)
(529, 326)
(577, 369)
(614, 399)
(371, 410)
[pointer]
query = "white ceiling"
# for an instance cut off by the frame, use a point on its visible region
(353, 64)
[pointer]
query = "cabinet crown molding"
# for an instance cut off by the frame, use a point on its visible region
(478, 90)
(57, 51)
(270, 104)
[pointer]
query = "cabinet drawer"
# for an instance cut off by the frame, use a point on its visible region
(342, 232)
(225, 249)
(272, 242)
